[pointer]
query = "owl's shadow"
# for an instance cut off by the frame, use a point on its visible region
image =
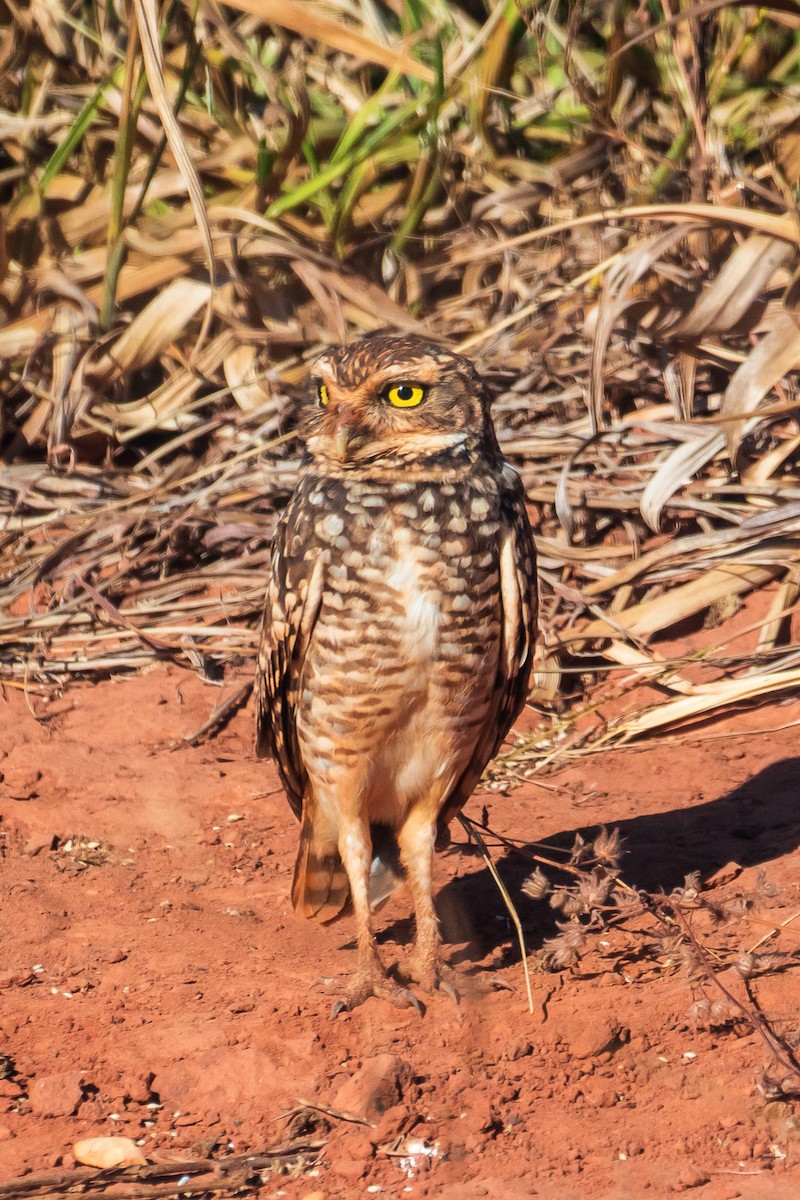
(753, 824)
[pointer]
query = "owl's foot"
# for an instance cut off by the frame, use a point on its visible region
(435, 976)
(380, 987)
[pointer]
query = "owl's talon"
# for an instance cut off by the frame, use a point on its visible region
(439, 978)
(384, 989)
(415, 1002)
(494, 982)
(446, 986)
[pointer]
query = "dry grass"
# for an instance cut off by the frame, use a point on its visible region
(719, 935)
(597, 202)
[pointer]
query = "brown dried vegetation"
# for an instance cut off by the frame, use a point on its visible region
(601, 213)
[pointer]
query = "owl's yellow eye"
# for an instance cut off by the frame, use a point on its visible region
(322, 393)
(405, 395)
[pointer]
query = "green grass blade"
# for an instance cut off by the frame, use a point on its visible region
(310, 188)
(76, 134)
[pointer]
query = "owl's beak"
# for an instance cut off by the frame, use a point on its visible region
(343, 434)
(347, 431)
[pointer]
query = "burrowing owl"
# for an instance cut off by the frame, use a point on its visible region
(398, 632)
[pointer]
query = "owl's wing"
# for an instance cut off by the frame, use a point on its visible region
(519, 602)
(291, 607)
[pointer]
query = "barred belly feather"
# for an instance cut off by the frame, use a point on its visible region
(402, 663)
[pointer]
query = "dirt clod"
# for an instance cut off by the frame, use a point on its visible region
(56, 1095)
(350, 1156)
(37, 843)
(589, 1038)
(689, 1178)
(373, 1089)
(20, 782)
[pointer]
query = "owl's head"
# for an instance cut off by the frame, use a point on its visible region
(388, 396)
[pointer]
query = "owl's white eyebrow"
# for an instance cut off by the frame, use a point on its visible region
(412, 373)
(381, 379)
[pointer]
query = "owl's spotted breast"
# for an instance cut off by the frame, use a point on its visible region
(405, 650)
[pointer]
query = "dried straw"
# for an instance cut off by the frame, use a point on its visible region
(193, 212)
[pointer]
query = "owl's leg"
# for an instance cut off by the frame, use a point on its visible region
(416, 840)
(370, 979)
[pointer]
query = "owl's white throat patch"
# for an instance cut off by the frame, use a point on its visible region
(421, 603)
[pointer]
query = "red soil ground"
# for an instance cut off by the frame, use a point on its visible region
(157, 984)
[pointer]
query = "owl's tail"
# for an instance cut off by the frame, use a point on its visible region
(321, 889)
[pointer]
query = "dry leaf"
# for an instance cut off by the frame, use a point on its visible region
(708, 699)
(777, 353)
(651, 616)
(147, 21)
(743, 277)
(242, 376)
(155, 328)
(626, 271)
(677, 469)
(309, 21)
